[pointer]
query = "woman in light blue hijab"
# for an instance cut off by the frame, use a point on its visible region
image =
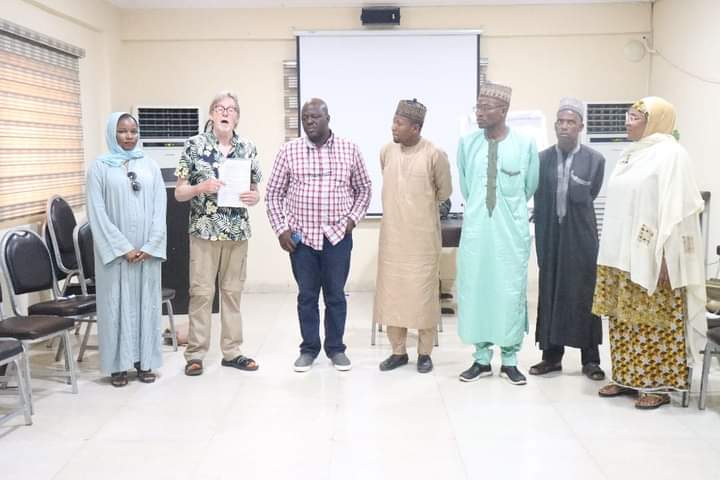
(126, 210)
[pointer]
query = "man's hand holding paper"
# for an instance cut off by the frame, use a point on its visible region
(235, 175)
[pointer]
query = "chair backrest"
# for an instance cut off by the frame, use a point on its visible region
(1, 305)
(60, 225)
(26, 264)
(83, 240)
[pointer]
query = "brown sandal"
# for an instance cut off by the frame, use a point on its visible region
(193, 368)
(651, 401)
(118, 379)
(612, 390)
(145, 376)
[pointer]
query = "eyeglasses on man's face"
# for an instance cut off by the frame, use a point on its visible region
(222, 109)
(134, 183)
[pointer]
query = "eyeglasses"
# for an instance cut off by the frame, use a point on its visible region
(634, 117)
(221, 109)
(133, 181)
(485, 107)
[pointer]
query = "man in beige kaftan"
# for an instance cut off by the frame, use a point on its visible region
(416, 178)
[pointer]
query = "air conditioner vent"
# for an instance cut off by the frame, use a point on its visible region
(606, 118)
(168, 122)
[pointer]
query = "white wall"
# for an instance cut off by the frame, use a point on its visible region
(185, 56)
(686, 38)
(544, 52)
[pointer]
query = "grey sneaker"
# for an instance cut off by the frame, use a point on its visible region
(341, 362)
(304, 362)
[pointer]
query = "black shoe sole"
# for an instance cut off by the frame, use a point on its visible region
(514, 382)
(475, 378)
(545, 372)
(393, 367)
(425, 369)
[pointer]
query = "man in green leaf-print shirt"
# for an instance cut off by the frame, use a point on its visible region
(218, 235)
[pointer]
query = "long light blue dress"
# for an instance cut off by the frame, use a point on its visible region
(494, 249)
(121, 219)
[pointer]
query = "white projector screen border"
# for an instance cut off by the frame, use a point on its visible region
(363, 74)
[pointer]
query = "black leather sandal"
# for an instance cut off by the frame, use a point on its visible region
(145, 376)
(241, 362)
(118, 379)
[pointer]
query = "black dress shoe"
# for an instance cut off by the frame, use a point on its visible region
(424, 364)
(593, 371)
(393, 362)
(475, 372)
(545, 367)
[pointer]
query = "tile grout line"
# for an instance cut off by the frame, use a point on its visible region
(452, 428)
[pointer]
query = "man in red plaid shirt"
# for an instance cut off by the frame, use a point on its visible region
(318, 191)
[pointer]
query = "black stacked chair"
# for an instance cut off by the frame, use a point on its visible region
(12, 354)
(28, 268)
(39, 328)
(83, 248)
(59, 228)
(83, 242)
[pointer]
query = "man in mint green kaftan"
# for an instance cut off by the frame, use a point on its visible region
(498, 170)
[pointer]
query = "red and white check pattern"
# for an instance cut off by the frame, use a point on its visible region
(316, 190)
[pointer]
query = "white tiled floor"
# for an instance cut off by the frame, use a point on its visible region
(362, 424)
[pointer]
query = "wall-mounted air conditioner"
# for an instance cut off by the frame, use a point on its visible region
(163, 131)
(605, 132)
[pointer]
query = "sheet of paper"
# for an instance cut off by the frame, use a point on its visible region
(236, 176)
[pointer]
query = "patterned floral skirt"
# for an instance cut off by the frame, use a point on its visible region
(647, 332)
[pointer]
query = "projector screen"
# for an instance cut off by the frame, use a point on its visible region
(363, 75)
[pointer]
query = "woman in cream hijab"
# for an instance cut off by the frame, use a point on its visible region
(651, 278)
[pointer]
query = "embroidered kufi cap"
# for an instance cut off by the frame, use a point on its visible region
(495, 90)
(411, 109)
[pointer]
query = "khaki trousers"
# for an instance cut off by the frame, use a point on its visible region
(398, 339)
(227, 260)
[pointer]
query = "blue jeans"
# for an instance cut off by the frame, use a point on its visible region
(327, 270)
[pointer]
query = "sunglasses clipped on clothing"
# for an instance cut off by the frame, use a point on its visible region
(134, 183)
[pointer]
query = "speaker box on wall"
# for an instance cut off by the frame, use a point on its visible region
(380, 16)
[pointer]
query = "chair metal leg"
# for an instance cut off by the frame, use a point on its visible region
(23, 388)
(70, 359)
(373, 328)
(83, 345)
(26, 372)
(707, 357)
(437, 338)
(440, 325)
(379, 327)
(58, 352)
(686, 395)
(171, 320)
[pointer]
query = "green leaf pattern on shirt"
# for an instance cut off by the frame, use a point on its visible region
(198, 162)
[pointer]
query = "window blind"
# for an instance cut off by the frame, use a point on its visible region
(41, 142)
